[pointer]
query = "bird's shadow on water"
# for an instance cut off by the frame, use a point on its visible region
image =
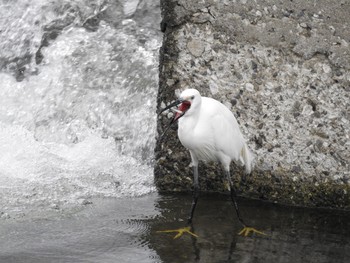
(293, 234)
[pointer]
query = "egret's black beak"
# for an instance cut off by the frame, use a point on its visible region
(175, 118)
(175, 103)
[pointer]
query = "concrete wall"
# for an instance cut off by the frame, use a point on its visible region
(283, 68)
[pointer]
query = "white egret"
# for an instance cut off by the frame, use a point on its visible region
(210, 132)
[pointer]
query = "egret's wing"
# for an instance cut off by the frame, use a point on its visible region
(227, 134)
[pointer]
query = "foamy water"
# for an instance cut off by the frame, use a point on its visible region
(80, 123)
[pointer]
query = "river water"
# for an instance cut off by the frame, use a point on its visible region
(78, 85)
(126, 230)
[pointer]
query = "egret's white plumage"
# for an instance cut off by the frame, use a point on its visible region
(210, 131)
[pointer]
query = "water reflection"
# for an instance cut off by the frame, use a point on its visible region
(294, 234)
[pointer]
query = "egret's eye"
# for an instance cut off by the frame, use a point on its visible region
(192, 97)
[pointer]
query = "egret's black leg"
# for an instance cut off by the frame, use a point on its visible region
(195, 193)
(234, 198)
(246, 229)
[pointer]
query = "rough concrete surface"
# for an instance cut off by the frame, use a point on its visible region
(283, 68)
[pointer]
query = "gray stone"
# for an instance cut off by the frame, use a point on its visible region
(195, 47)
(283, 68)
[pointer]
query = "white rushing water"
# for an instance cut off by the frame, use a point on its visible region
(77, 101)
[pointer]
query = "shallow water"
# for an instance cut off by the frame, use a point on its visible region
(125, 230)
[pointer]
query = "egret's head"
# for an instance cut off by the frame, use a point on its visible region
(188, 100)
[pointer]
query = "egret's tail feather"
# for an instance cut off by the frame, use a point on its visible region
(248, 158)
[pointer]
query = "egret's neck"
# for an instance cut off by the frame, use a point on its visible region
(189, 121)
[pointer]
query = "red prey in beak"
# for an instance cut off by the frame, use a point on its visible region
(184, 106)
(182, 109)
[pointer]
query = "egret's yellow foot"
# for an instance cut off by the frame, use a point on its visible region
(246, 230)
(179, 232)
